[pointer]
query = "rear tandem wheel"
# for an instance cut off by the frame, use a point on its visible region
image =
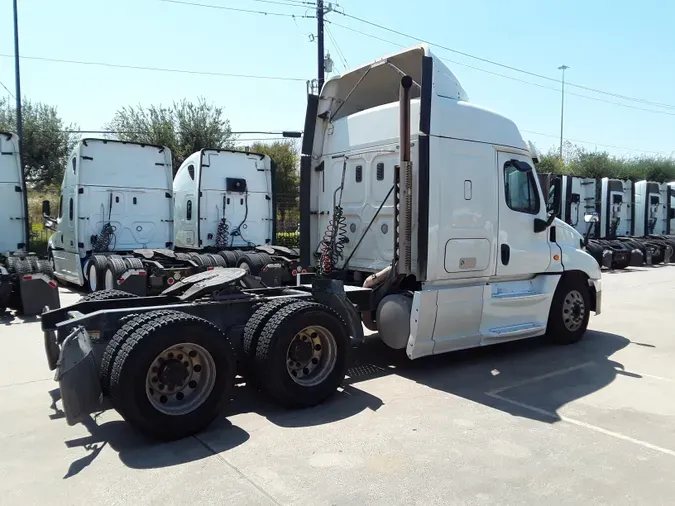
(172, 375)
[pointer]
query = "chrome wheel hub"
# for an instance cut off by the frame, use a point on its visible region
(311, 356)
(574, 311)
(180, 379)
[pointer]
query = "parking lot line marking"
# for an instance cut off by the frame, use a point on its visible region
(539, 378)
(652, 376)
(589, 426)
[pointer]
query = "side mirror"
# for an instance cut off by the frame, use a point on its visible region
(541, 225)
(46, 208)
(591, 218)
(553, 204)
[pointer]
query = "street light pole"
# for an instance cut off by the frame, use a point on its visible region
(562, 108)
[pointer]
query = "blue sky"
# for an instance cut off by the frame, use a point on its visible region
(617, 46)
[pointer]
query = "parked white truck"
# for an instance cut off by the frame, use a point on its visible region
(443, 218)
(115, 219)
(225, 203)
(26, 282)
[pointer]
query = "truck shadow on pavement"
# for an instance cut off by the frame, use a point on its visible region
(528, 378)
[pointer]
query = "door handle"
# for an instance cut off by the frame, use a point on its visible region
(506, 254)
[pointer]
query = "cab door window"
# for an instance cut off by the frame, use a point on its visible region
(520, 189)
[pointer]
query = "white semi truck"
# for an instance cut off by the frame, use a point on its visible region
(225, 203)
(26, 282)
(423, 215)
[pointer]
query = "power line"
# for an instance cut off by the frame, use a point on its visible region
(7, 90)
(595, 143)
(509, 67)
(236, 9)
(509, 77)
(157, 69)
(243, 132)
(337, 48)
(289, 3)
(519, 80)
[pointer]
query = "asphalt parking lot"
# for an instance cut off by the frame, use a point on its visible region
(521, 423)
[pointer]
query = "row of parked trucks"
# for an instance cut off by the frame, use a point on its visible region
(124, 222)
(632, 222)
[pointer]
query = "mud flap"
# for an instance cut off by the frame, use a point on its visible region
(134, 281)
(636, 258)
(38, 291)
(607, 258)
(78, 377)
(331, 292)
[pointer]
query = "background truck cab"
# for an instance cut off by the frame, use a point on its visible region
(224, 199)
(115, 197)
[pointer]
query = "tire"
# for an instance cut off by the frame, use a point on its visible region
(254, 262)
(107, 295)
(253, 329)
(115, 344)
(23, 266)
(167, 417)
(237, 255)
(276, 377)
(133, 263)
(229, 258)
(34, 263)
(116, 267)
(217, 260)
(565, 325)
(95, 270)
(45, 267)
(11, 264)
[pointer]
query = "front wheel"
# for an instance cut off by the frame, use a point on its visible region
(570, 311)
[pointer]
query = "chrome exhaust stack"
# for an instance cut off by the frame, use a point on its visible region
(403, 184)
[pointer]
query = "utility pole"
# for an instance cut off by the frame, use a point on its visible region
(320, 49)
(17, 75)
(562, 108)
(19, 124)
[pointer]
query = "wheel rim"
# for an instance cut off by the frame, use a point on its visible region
(180, 379)
(311, 356)
(245, 266)
(574, 311)
(93, 282)
(109, 280)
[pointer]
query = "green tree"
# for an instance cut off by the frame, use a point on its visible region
(550, 163)
(286, 157)
(184, 127)
(46, 143)
(586, 163)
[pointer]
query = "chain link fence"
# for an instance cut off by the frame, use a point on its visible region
(288, 219)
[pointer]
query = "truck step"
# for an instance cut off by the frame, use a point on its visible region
(526, 296)
(524, 329)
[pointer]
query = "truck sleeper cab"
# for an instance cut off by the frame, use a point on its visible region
(115, 199)
(26, 282)
(224, 202)
(461, 253)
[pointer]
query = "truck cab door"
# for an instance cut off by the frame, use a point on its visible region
(521, 251)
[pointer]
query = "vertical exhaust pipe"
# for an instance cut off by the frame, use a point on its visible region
(403, 205)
